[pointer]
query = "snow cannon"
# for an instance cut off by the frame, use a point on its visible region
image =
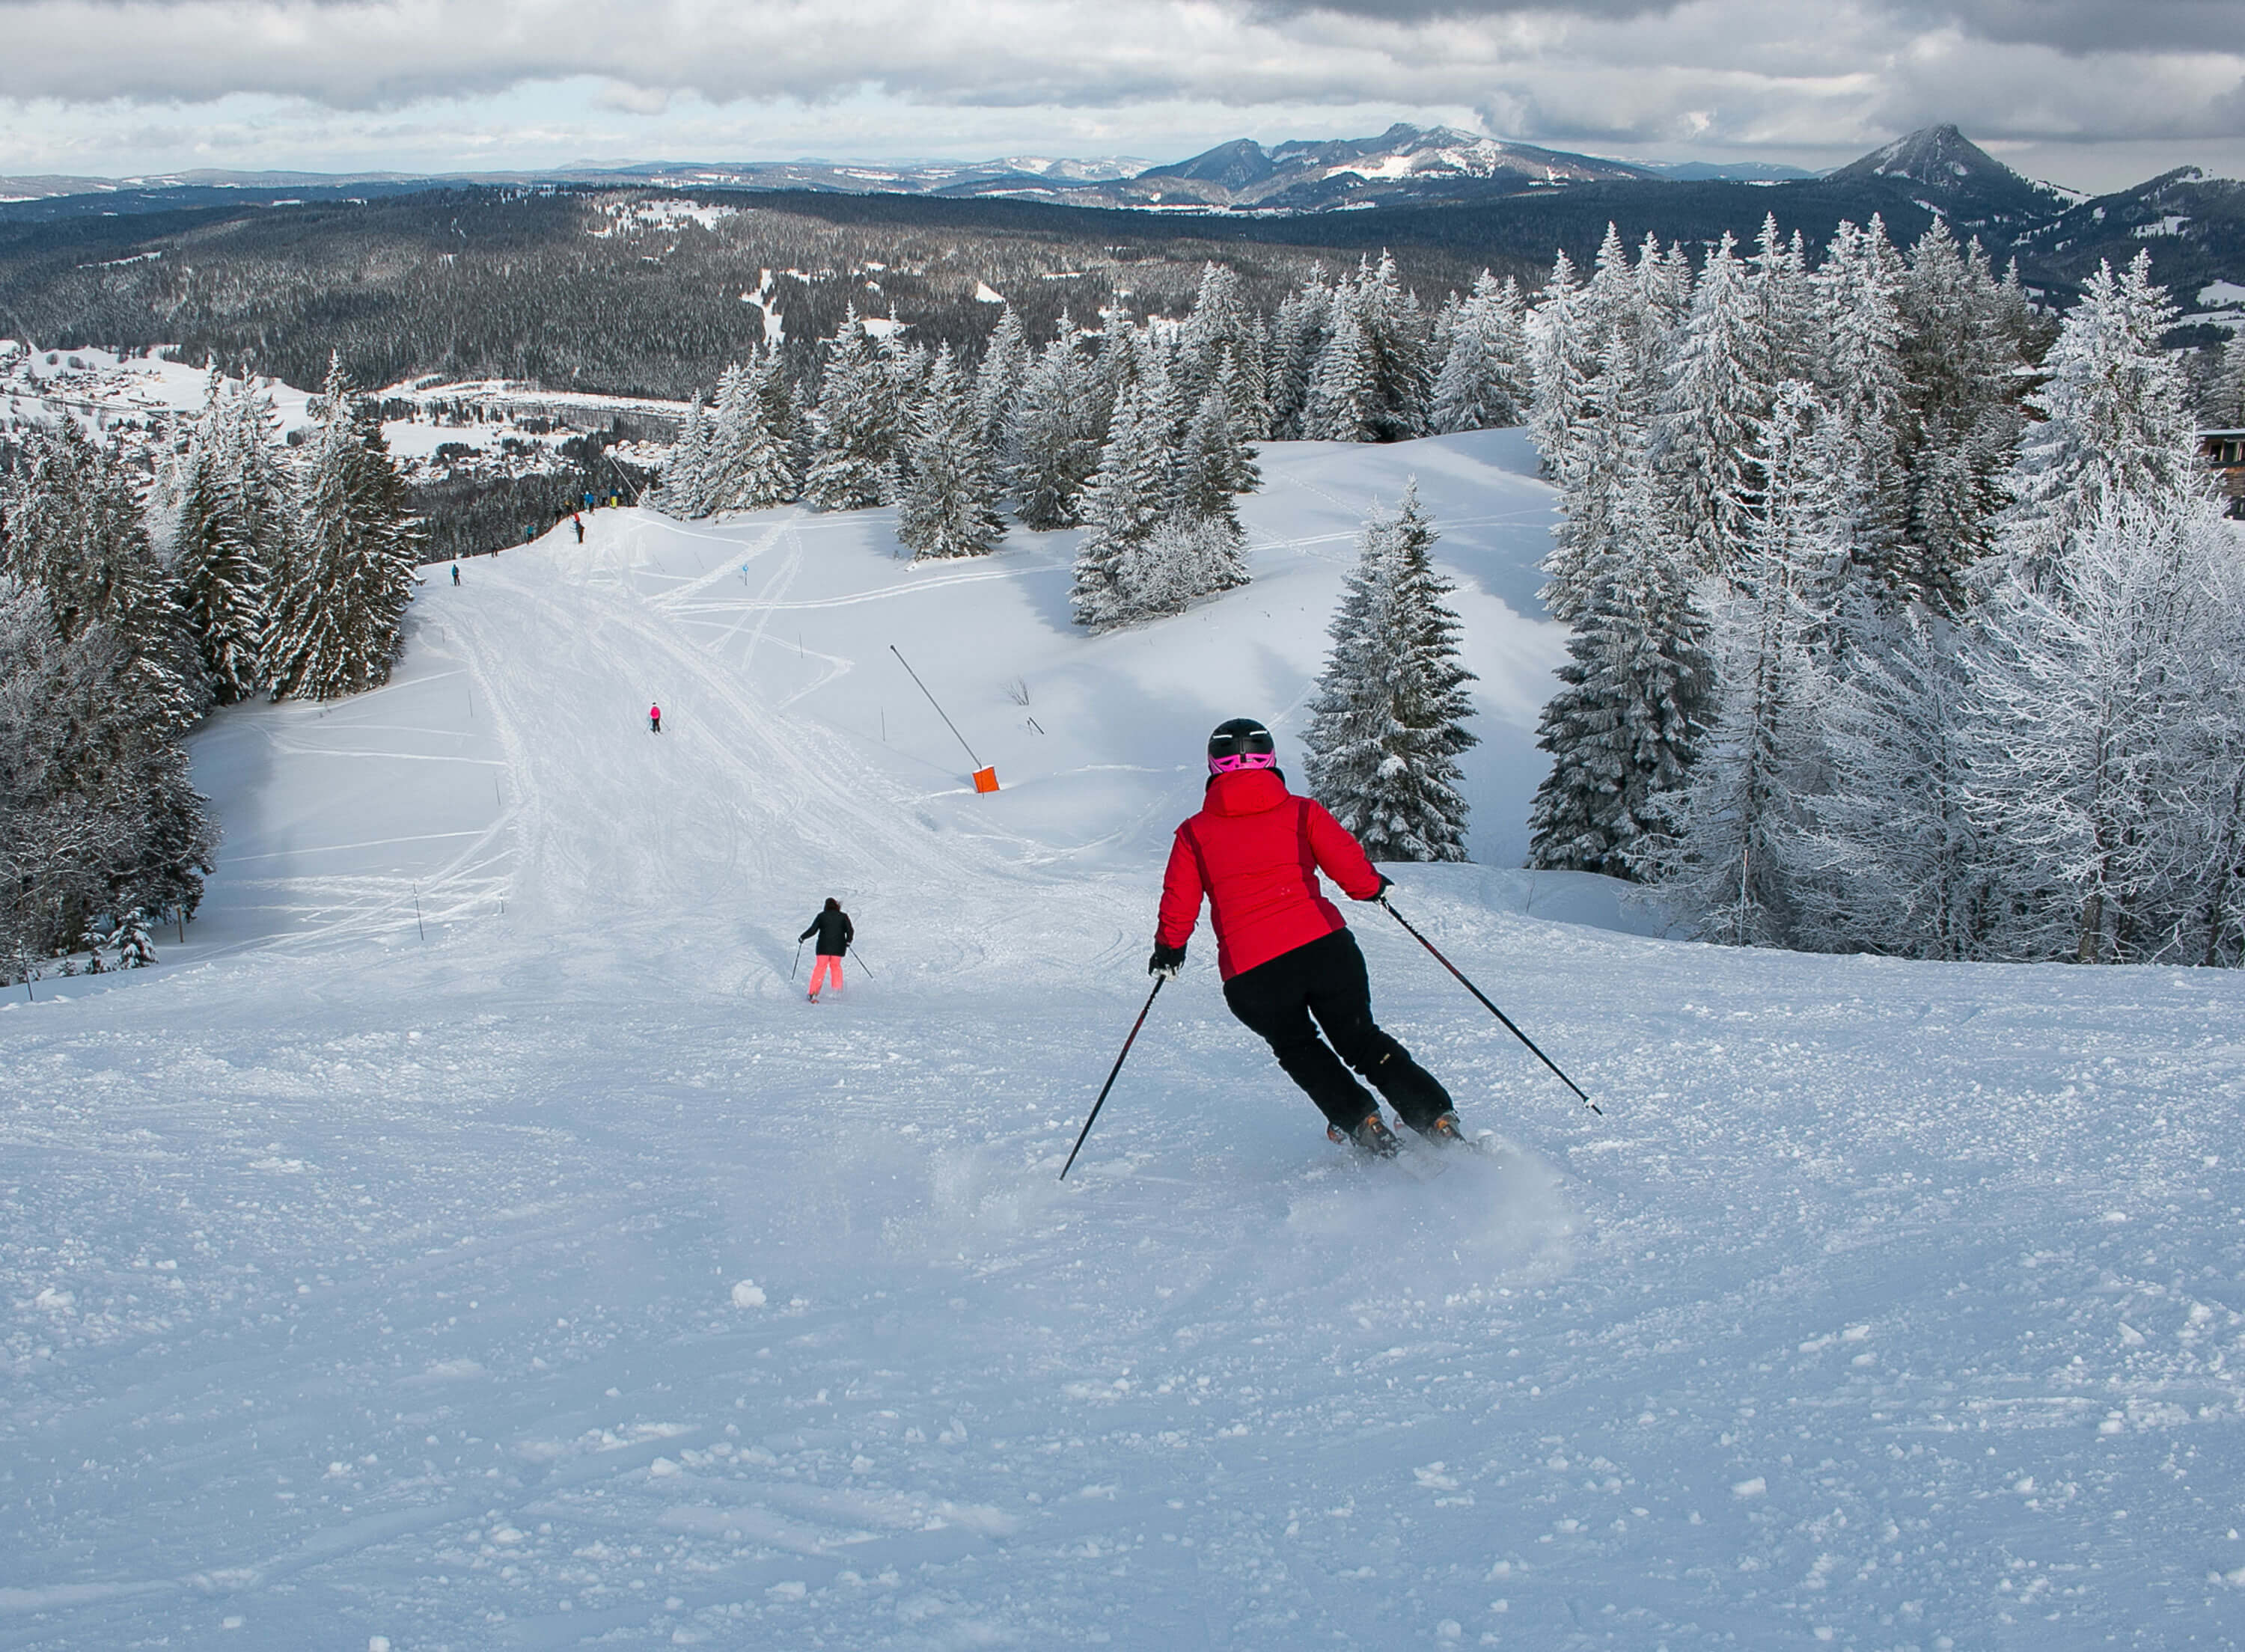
(986, 774)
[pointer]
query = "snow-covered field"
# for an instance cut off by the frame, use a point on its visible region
(470, 1238)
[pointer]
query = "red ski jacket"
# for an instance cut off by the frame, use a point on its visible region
(1255, 850)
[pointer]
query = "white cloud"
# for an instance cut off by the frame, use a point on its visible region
(140, 85)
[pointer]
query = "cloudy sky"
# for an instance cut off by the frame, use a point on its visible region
(2093, 93)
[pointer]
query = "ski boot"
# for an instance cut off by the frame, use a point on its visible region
(1444, 1131)
(1373, 1135)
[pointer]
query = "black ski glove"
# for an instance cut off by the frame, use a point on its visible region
(1386, 884)
(1166, 961)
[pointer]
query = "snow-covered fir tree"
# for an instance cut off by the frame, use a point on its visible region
(854, 430)
(233, 525)
(2116, 421)
(1962, 363)
(1127, 500)
(74, 533)
(1051, 450)
(748, 464)
(1298, 332)
(997, 383)
(1481, 383)
(684, 491)
(1701, 470)
(1562, 354)
(948, 504)
(1388, 713)
(1733, 864)
(1219, 347)
(2222, 406)
(1860, 287)
(1344, 400)
(129, 940)
(1623, 728)
(98, 680)
(339, 604)
(1395, 328)
(1604, 459)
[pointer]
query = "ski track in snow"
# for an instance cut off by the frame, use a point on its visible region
(359, 1284)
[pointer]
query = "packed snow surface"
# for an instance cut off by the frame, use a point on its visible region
(469, 1237)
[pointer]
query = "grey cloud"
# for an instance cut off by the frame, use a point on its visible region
(2079, 27)
(1422, 10)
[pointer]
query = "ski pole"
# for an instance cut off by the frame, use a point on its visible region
(1159, 981)
(860, 959)
(1508, 1023)
(797, 964)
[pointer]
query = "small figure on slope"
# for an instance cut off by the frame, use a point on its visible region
(578, 522)
(1254, 851)
(456, 574)
(655, 720)
(835, 934)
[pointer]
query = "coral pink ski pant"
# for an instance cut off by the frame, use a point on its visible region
(821, 970)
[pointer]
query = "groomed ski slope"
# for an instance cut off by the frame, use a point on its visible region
(470, 1239)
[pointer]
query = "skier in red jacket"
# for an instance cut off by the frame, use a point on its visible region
(1254, 851)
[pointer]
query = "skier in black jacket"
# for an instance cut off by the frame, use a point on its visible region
(833, 929)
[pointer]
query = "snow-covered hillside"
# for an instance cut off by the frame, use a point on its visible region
(470, 1238)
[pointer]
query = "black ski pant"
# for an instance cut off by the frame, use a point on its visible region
(1325, 979)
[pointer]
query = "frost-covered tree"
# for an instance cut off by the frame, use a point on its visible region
(997, 383)
(948, 506)
(1624, 727)
(1563, 352)
(1785, 312)
(1220, 347)
(1859, 290)
(1127, 500)
(1962, 367)
(2223, 404)
(1388, 714)
(1480, 385)
(339, 608)
(1892, 860)
(129, 940)
(1298, 339)
(1604, 458)
(1394, 330)
(2108, 735)
(97, 815)
(684, 491)
(1345, 391)
(2115, 422)
(1733, 863)
(1709, 408)
(1051, 451)
(233, 525)
(854, 432)
(749, 465)
(71, 528)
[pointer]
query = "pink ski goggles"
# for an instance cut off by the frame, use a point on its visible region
(1252, 759)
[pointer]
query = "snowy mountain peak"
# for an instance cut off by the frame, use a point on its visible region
(1940, 158)
(1956, 177)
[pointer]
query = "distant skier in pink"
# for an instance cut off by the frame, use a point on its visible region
(833, 929)
(654, 718)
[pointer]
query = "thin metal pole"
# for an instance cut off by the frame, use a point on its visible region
(932, 700)
(797, 964)
(1159, 982)
(1491, 1008)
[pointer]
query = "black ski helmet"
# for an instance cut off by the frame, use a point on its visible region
(1241, 744)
